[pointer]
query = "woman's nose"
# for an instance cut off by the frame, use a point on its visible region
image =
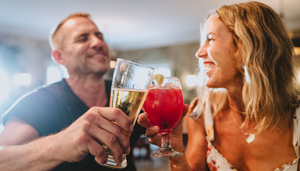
(202, 52)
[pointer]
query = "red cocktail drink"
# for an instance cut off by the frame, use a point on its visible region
(164, 106)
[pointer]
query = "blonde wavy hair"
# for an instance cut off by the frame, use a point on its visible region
(265, 56)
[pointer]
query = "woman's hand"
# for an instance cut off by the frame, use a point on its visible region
(152, 131)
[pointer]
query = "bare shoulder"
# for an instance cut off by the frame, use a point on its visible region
(16, 131)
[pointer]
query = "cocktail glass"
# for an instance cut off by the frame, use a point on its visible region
(164, 105)
(130, 86)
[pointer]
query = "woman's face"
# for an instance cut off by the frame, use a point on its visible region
(217, 51)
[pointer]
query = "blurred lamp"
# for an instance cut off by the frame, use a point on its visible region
(297, 51)
(191, 80)
(112, 64)
(4, 86)
(23, 79)
(296, 43)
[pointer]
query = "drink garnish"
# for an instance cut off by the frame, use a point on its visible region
(159, 78)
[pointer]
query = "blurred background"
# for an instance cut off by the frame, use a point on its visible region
(163, 34)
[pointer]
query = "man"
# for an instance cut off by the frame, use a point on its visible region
(72, 116)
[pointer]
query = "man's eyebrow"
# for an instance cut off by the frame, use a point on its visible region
(81, 34)
(98, 32)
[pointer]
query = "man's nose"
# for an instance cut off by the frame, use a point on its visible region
(97, 42)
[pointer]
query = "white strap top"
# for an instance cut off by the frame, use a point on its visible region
(217, 162)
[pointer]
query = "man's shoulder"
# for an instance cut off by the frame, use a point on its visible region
(38, 102)
(47, 89)
(40, 94)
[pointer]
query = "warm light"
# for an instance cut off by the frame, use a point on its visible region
(297, 50)
(4, 86)
(23, 79)
(191, 80)
(112, 64)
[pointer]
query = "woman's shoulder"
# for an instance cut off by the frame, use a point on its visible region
(194, 124)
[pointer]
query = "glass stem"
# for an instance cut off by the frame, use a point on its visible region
(165, 143)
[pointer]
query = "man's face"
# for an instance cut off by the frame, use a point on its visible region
(83, 49)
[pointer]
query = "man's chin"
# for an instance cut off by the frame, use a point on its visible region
(102, 71)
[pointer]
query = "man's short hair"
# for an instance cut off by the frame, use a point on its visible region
(55, 41)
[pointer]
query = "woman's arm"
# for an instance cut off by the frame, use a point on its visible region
(195, 156)
(197, 144)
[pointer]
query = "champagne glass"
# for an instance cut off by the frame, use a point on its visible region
(130, 85)
(164, 106)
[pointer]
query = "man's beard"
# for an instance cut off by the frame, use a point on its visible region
(92, 70)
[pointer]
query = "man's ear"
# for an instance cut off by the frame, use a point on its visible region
(57, 56)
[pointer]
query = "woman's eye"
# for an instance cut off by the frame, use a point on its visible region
(210, 39)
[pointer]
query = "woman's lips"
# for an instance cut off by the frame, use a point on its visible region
(208, 66)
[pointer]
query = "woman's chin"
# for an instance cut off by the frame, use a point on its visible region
(211, 84)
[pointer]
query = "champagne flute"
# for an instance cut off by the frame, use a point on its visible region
(164, 105)
(130, 85)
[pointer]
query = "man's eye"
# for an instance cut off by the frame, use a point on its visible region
(82, 39)
(100, 36)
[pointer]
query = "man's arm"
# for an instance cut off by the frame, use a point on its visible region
(23, 157)
(36, 155)
(72, 144)
(16, 131)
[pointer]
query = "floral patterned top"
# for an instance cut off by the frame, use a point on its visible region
(217, 162)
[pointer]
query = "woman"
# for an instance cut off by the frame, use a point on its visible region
(250, 124)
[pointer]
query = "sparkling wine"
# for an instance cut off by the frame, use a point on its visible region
(129, 101)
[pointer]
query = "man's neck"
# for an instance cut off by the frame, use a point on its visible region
(90, 90)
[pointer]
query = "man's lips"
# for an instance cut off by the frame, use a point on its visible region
(98, 55)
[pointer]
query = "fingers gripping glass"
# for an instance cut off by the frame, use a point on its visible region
(130, 85)
(164, 106)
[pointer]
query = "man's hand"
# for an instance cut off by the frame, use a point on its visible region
(88, 133)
